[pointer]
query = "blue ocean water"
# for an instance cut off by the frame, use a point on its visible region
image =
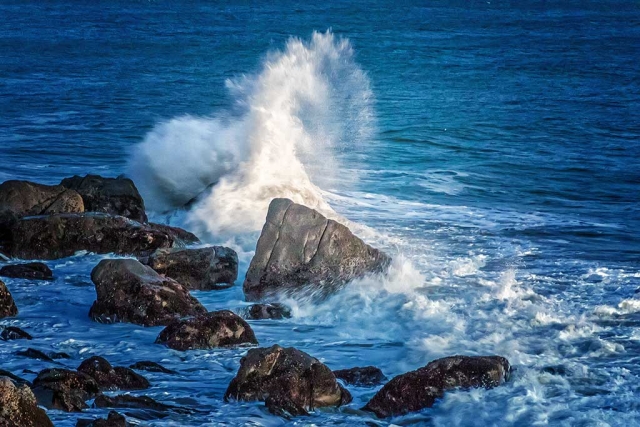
(492, 147)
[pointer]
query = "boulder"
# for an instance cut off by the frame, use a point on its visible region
(114, 419)
(64, 389)
(19, 408)
(274, 310)
(203, 269)
(146, 365)
(30, 270)
(128, 291)
(302, 252)
(419, 389)
(112, 378)
(24, 198)
(367, 376)
(292, 381)
(116, 196)
(14, 333)
(7, 305)
(215, 329)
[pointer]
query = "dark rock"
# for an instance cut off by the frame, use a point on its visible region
(114, 419)
(7, 305)
(116, 196)
(64, 389)
(268, 311)
(31, 270)
(16, 379)
(137, 402)
(292, 380)
(112, 378)
(151, 367)
(128, 291)
(367, 376)
(216, 329)
(284, 406)
(181, 237)
(24, 198)
(204, 269)
(301, 250)
(50, 356)
(19, 408)
(63, 235)
(419, 389)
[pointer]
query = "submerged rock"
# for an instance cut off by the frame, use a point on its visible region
(146, 365)
(7, 305)
(274, 310)
(128, 291)
(64, 389)
(49, 356)
(419, 389)
(19, 408)
(30, 270)
(367, 376)
(137, 402)
(112, 378)
(301, 250)
(25, 198)
(215, 329)
(204, 269)
(16, 379)
(292, 381)
(114, 419)
(116, 196)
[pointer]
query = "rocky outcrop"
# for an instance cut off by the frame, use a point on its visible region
(114, 419)
(7, 305)
(203, 269)
(112, 378)
(146, 365)
(116, 196)
(19, 408)
(289, 380)
(301, 251)
(128, 291)
(419, 389)
(14, 333)
(30, 270)
(216, 329)
(367, 376)
(24, 198)
(274, 310)
(64, 389)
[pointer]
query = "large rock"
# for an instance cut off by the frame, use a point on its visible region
(24, 198)
(30, 270)
(198, 269)
(419, 389)
(299, 249)
(112, 378)
(117, 196)
(216, 329)
(367, 376)
(289, 380)
(7, 305)
(19, 408)
(128, 291)
(64, 389)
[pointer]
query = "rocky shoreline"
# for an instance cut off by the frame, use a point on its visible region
(300, 254)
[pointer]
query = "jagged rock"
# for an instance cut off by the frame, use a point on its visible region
(137, 402)
(30, 270)
(50, 356)
(114, 419)
(367, 376)
(19, 408)
(181, 237)
(146, 365)
(112, 378)
(7, 305)
(64, 389)
(216, 329)
(290, 379)
(117, 196)
(302, 252)
(204, 269)
(268, 311)
(128, 291)
(24, 198)
(419, 389)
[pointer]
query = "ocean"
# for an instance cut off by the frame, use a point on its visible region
(491, 147)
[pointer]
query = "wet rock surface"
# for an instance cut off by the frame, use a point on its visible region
(19, 408)
(302, 252)
(31, 270)
(128, 291)
(151, 367)
(7, 305)
(112, 378)
(25, 198)
(420, 389)
(274, 311)
(137, 402)
(64, 389)
(48, 356)
(367, 376)
(180, 236)
(216, 329)
(114, 419)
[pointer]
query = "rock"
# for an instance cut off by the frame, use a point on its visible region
(151, 367)
(215, 329)
(181, 237)
(203, 269)
(419, 389)
(60, 236)
(30, 270)
(64, 389)
(128, 291)
(16, 379)
(367, 376)
(19, 408)
(7, 305)
(301, 250)
(50, 356)
(112, 378)
(116, 196)
(268, 311)
(290, 379)
(137, 402)
(24, 198)
(114, 419)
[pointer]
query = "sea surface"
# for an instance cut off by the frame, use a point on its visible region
(491, 147)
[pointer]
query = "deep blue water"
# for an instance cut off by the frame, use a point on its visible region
(498, 159)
